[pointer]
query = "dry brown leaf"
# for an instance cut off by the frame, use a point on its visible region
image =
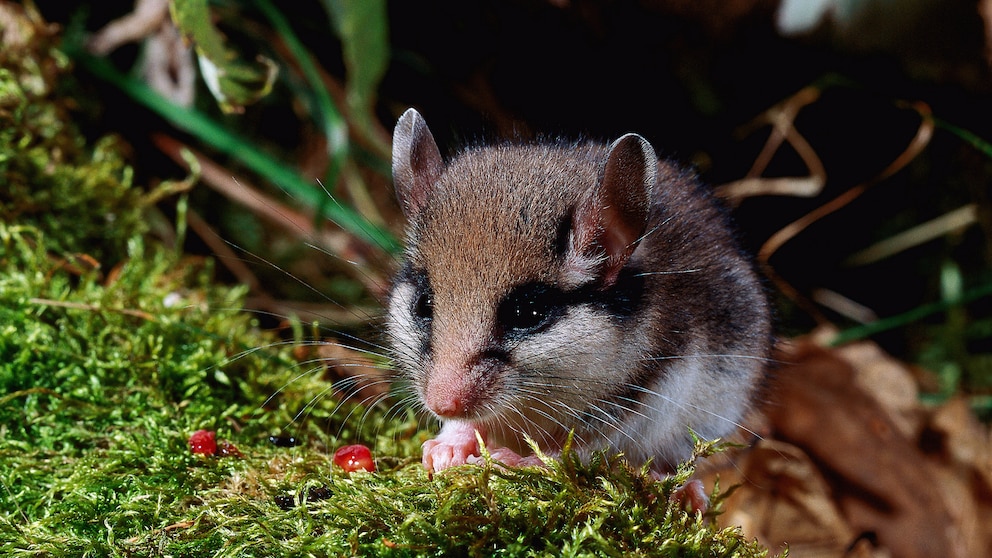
(889, 382)
(855, 465)
(787, 500)
(881, 484)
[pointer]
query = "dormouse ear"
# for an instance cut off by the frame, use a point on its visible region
(417, 162)
(613, 219)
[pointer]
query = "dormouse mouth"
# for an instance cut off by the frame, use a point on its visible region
(473, 416)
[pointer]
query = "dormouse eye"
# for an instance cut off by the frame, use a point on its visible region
(422, 302)
(529, 308)
(423, 306)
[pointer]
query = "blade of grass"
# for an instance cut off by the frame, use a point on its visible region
(366, 56)
(908, 317)
(973, 139)
(924, 232)
(212, 133)
(329, 118)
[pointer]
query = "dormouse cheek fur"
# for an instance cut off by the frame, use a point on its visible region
(408, 338)
(582, 343)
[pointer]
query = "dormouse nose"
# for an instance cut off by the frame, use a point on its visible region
(450, 392)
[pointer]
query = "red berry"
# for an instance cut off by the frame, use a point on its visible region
(203, 441)
(354, 458)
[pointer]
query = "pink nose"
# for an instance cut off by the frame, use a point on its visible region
(447, 407)
(448, 394)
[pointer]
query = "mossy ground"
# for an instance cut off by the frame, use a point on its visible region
(115, 347)
(105, 376)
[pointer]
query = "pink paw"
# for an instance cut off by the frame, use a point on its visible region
(441, 454)
(455, 443)
(692, 496)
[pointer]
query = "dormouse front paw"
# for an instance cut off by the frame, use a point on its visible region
(439, 455)
(692, 496)
(454, 445)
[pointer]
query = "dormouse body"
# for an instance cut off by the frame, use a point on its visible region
(552, 288)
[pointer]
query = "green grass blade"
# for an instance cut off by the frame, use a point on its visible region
(906, 318)
(971, 138)
(328, 116)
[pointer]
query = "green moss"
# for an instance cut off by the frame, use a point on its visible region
(104, 382)
(105, 371)
(52, 180)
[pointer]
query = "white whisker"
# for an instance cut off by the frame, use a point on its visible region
(649, 273)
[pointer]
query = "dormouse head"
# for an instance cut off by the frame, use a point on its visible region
(512, 275)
